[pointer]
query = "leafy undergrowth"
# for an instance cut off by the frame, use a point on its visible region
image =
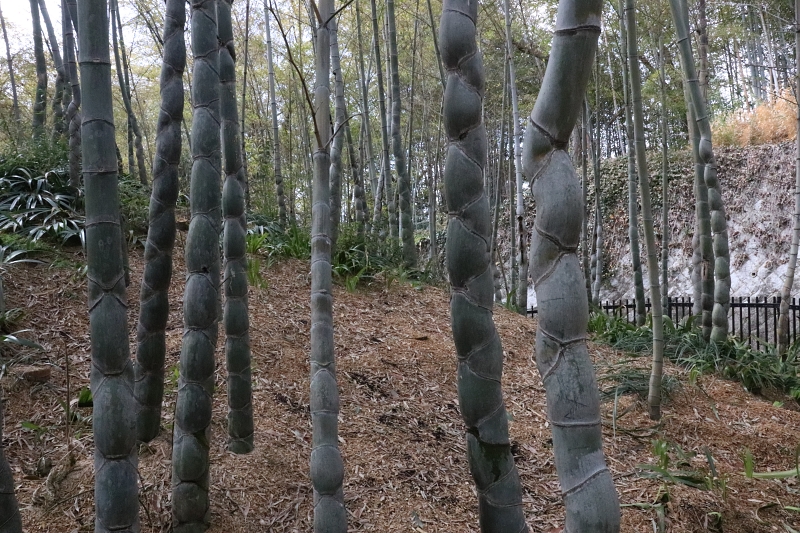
(401, 433)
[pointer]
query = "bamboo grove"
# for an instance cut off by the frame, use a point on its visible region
(281, 126)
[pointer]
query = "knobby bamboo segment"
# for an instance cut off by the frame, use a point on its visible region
(719, 225)
(69, 21)
(386, 176)
(235, 315)
(783, 318)
(340, 118)
(15, 100)
(633, 209)
(192, 433)
(562, 357)
(480, 353)
(114, 418)
(403, 178)
(39, 101)
(654, 395)
(327, 467)
(276, 146)
(10, 520)
(359, 194)
(154, 299)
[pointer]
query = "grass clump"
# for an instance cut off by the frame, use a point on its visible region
(757, 370)
(767, 122)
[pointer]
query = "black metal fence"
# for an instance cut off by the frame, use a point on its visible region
(754, 319)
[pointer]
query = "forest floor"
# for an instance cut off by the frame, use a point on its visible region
(401, 433)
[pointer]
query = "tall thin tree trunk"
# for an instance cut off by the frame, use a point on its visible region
(276, 146)
(74, 119)
(598, 206)
(573, 404)
(497, 190)
(40, 97)
(61, 75)
(365, 122)
(719, 226)
(154, 299)
(702, 52)
(665, 233)
(386, 177)
(192, 429)
(436, 45)
(243, 115)
(480, 352)
(403, 178)
(788, 281)
(654, 395)
(327, 468)
(236, 313)
(522, 263)
(114, 418)
(124, 83)
(15, 100)
(585, 236)
(338, 135)
(633, 209)
(11, 521)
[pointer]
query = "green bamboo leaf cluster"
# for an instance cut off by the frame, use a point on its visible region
(235, 315)
(114, 416)
(480, 353)
(154, 299)
(192, 431)
(573, 406)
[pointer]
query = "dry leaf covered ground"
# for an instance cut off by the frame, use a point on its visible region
(401, 432)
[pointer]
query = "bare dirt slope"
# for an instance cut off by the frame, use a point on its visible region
(401, 432)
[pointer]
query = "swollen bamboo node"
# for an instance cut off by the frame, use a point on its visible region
(154, 301)
(480, 352)
(573, 404)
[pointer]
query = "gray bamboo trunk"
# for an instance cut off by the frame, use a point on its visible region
(719, 225)
(327, 467)
(654, 395)
(15, 100)
(69, 21)
(338, 136)
(359, 194)
(124, 85)
(10, 519)
(573, 404)
(598, 206)
(585, 235)
(61, 75)
(235, 313)
(40, 97)
(479, 350)
(365, 121)
(192, 431)
(633, 209)
(788, 282)
(664, 182)
(276, 146)
(386, 177)
(403, 178)
(522, 260)
(154, 298)
(114, 418)
(242, 115)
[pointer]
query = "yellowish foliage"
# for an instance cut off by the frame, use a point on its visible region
(768, 122)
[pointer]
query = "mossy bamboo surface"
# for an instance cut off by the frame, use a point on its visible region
(235, 314)
(192, 431)
(114, 417)
(154, 299)
(573, 404)
(479, 350)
